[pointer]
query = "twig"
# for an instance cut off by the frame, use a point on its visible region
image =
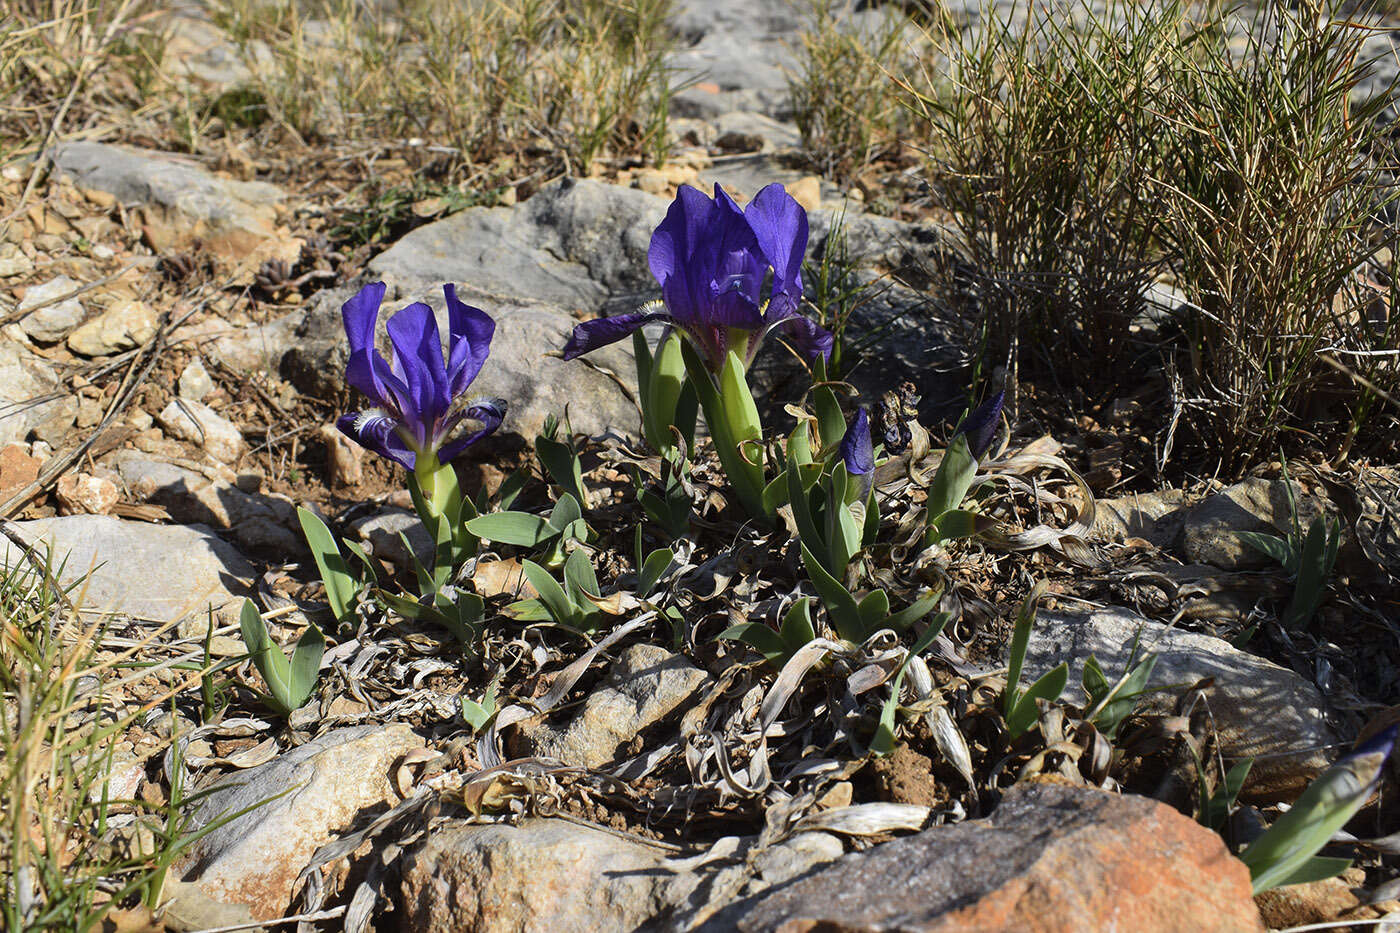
(331, 914)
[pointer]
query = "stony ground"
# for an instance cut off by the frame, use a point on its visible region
(171, 359)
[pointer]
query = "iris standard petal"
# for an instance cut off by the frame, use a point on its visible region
(360, 314)
(490, 412)
(377, 431)
(780, 225)
(590, 335)
(469, 333)
(856, 450)
(413, 332)
(981, 425)
(675, 239)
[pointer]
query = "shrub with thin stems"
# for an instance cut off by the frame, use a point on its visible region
(1038, 128)
(494, 85)
(841, 93)
(1271, 184)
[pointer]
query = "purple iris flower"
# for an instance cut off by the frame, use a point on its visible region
(417, 397)
(713, 261)
(856, 449)
(980, 425)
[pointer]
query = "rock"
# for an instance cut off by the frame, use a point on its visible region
(255, 348)
(323, 785)
(1050, 858)
(573, 245)
(17, 469)
(807, 191)
(1315, 902)
(85, 494)
(344, 458)
(1259, 709)
(646, 685)
(195, 382)
(751, 132)
(124, 326)
(381, 534)
(181, 202)
(13, 262)
(544, 876)
(190, 909)
(1156, 517)
(652, 181)
(160, 572)
(742, 51)
(257, 522)
(52, 323)
(1211, 534)
(199, 424)
(25, 377)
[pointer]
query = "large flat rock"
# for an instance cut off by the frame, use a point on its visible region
(158, 572)
(1260, 710)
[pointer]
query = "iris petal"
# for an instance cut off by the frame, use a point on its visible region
(469, 332)
(807, 336)
(490, 412)
(980, 425)
(780, 225)
(418, 351)
(856, 449)
(590, 335)
(376, 432)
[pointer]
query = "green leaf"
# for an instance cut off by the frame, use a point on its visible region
(551, 594)
(370, 575)
(874, 608)
(1048, 688)
(1272, 546)
(870, 529)
(960, 523)
(1020, 640)
(1328, 803)
(511, 487)
(1216, 807)
(914, 612)
(528, 610)
(797, 627)
(579, 578)
(653, 567)
(744, 428)
(1315, 563)
(831, 424)
(267, 657)
(953, 479)
(883, 742)
(479, 715)
(565, 512)
(562, 464)
(662, 395)
(305, 668)
(341, 585)
(1111, 703)
(759, 637)
(518, 528)
(802, 509)
(840, 604)
(1317, 868)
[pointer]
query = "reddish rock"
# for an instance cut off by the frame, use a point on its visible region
(1050, 859)
(17, 469)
